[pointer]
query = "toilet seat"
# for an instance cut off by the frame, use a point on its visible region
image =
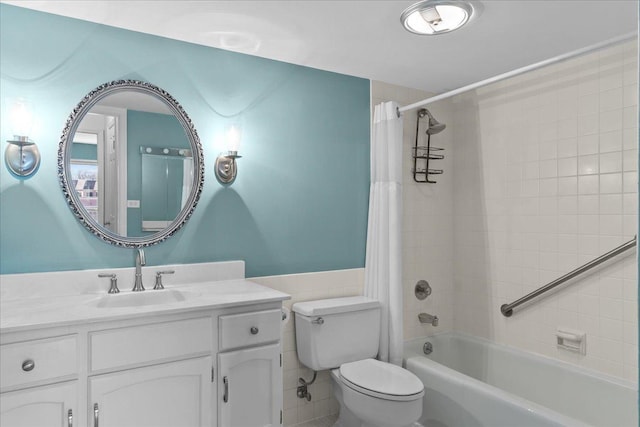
(381, 380)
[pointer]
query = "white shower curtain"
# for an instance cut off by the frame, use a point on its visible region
(383, 266)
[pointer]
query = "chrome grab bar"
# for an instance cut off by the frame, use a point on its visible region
(507, 309)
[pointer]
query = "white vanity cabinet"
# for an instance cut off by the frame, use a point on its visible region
(250, 389)
(165, 395)
(37, 380)
(45, 406)
(203, 368)
(250, 377)
(160, 393)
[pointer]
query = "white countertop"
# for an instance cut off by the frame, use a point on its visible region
(39, 311)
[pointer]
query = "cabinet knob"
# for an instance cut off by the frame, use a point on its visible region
(28, 365)
(254, 330)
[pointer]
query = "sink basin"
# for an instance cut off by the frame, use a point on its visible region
(143, 298)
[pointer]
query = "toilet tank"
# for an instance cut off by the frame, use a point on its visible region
(334, 331)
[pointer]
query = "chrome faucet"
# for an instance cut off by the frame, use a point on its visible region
(140, 262)
(428, 318)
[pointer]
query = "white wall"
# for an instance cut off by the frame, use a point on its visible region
(545, 180)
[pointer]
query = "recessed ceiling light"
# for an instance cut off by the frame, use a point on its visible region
(433, 17)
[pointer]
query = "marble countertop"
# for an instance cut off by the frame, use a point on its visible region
(23, 314)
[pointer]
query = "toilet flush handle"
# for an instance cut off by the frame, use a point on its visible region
(318, 321)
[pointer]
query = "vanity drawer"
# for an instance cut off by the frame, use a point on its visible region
(247, 329)
(146, 344)
(38, 360)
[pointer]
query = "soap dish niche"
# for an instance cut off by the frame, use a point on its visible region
(572, 340)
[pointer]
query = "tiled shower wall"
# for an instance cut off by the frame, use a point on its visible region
(427, 221)
(540, 175)
(545, 180)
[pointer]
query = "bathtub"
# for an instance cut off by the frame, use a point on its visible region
(471, 382)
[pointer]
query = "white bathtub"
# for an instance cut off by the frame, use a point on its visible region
(471, 382)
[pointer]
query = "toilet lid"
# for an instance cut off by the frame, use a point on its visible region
(380, 379)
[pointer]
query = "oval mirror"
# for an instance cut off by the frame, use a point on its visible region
(130, 163)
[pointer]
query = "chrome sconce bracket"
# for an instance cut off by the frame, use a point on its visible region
(22, 157)
(226, 167)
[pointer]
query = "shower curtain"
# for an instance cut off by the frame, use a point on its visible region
(383, 265)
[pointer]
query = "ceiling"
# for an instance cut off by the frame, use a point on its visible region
(366, 39)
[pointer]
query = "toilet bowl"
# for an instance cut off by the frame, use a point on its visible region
(376, 394)
(342, 334)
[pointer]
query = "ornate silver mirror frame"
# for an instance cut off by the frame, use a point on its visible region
(64, 160)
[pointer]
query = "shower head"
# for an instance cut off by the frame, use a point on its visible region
(434, 125)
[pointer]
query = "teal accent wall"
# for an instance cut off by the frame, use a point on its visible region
(299, 203)
(84, 151)
(146, 129)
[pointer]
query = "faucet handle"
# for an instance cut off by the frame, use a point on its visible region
(159, 274)
(113, 289)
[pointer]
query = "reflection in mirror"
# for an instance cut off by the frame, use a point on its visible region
(167, 176)
(132, 163)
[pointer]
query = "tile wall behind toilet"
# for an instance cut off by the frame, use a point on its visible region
(545, 180)
(308, 287)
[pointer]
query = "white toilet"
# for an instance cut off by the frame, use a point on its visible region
(342, 334)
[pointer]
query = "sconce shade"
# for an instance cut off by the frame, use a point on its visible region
(21, 156)
(233, 137)
(226, 167)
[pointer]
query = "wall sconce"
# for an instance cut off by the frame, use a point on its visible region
(21, 156)
(226, 167)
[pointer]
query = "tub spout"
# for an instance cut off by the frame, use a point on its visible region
(428, 318)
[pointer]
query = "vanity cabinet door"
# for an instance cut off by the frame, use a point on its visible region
(250, 387)
(45, 406)
(166, 395)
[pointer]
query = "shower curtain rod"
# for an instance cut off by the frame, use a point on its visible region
(519, 71)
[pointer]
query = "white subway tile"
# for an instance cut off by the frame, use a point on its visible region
(630, 117)
(611, 141)
(630, 94)
(588, 184)
(610, 79)
(611, 162)
(588, 104)
(568, 147)
(611, 204)
(589, 204)
(567, 205)
(630, 139)
(630, 182)
(548, 187)
(588, 144)
(568, 166)
(611, 99)
(611, 225)
(588, 224)
(588, 165)
(611, 329)
(630, 160)
(611, 183)
(611, 308)
(589, 124)
(611, 120)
